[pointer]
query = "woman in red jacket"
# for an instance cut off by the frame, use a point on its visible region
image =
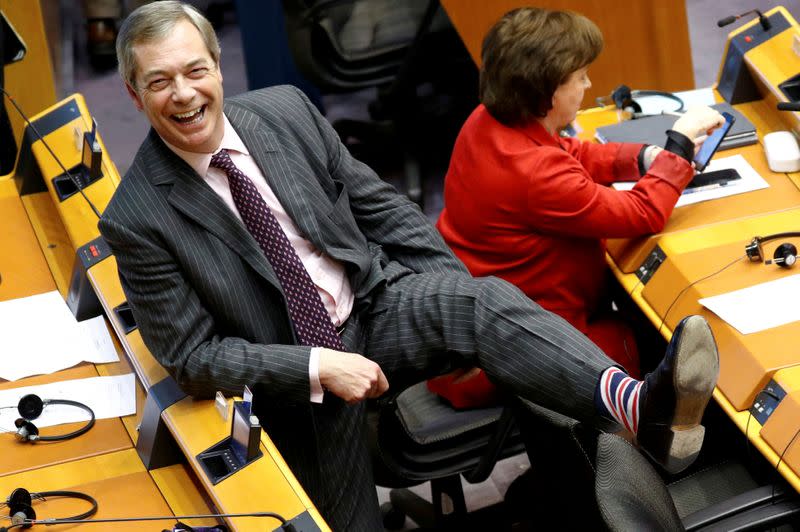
(534, 208)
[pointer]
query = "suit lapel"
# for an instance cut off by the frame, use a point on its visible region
(298, 193)
(197, 201)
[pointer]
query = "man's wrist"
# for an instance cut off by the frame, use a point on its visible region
(317, 391)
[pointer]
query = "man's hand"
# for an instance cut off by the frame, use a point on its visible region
(698, 121)
(351, 376)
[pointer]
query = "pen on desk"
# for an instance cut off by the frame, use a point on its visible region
(703, 188)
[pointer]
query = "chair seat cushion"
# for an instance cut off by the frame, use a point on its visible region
(427, 419)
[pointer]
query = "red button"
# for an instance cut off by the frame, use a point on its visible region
(93, 251)
(748, 38)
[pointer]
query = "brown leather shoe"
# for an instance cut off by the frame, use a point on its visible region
(677, 393)
(101, 38)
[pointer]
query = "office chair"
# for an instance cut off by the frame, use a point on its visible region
(408, 50)
(632, 496)
(418, 437)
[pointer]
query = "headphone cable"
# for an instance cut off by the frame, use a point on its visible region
(687, 287)
(40, 137)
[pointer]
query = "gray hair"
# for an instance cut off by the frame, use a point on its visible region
(153, 22)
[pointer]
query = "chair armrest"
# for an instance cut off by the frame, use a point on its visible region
(504, 428)
(712, 515)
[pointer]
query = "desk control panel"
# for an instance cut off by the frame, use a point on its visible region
(650, 265)
(767, 401)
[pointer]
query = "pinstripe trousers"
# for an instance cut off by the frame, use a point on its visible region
(427, 324)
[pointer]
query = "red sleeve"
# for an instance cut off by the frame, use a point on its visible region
(563, 199)
(606, 163)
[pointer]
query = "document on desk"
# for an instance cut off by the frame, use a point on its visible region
(759, 307)
(108, 397)
(39, 335)
(750, 181)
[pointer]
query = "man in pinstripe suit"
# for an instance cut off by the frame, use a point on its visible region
(211, 309)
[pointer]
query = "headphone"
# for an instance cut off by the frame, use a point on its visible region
(20, 506)
(623, 98)
(30, 407)
(784, 256)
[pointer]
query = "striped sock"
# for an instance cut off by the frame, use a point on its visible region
(617, 397)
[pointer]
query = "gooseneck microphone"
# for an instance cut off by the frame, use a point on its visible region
(765, 23)
(39, 136)
(789, 106)
(19, 520)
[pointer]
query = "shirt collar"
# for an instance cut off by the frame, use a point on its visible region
(201, 161)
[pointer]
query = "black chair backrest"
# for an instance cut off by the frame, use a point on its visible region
(630, 494)
(319, 33)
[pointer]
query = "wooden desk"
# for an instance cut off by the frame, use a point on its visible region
(107, 435)
(704, 253)
(119, 483)
(61, 226)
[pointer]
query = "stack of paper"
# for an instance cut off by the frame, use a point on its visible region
(40, 335)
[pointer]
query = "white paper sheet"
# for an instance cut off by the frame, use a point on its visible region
(107, 396)
(39, 335)
(759, 307)
(750, 180)
(96, 331)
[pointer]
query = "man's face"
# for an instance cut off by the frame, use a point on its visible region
(179, 88)
(568, 97)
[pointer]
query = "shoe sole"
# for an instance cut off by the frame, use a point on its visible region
(696, 372)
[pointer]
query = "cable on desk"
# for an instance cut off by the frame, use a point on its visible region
(40, 137)
(687, 287)
(780, 459)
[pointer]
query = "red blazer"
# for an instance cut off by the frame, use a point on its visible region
(535, 209)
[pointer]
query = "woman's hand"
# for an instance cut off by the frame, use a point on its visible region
(698, 122)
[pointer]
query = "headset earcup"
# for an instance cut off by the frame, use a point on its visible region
(26, 431)
(19, 496)
(30, 406)
(785, 255)
(20, 512)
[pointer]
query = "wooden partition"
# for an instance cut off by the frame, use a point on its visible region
(646, 42)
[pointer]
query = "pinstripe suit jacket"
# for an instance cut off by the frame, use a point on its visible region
(207, 302)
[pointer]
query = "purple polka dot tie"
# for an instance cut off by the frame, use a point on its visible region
(311, 321)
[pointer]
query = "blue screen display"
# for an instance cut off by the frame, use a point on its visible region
(711, 144)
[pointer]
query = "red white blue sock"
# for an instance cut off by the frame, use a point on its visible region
(618, 397)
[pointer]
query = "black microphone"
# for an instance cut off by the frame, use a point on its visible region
(765, 23)
(789, 106)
